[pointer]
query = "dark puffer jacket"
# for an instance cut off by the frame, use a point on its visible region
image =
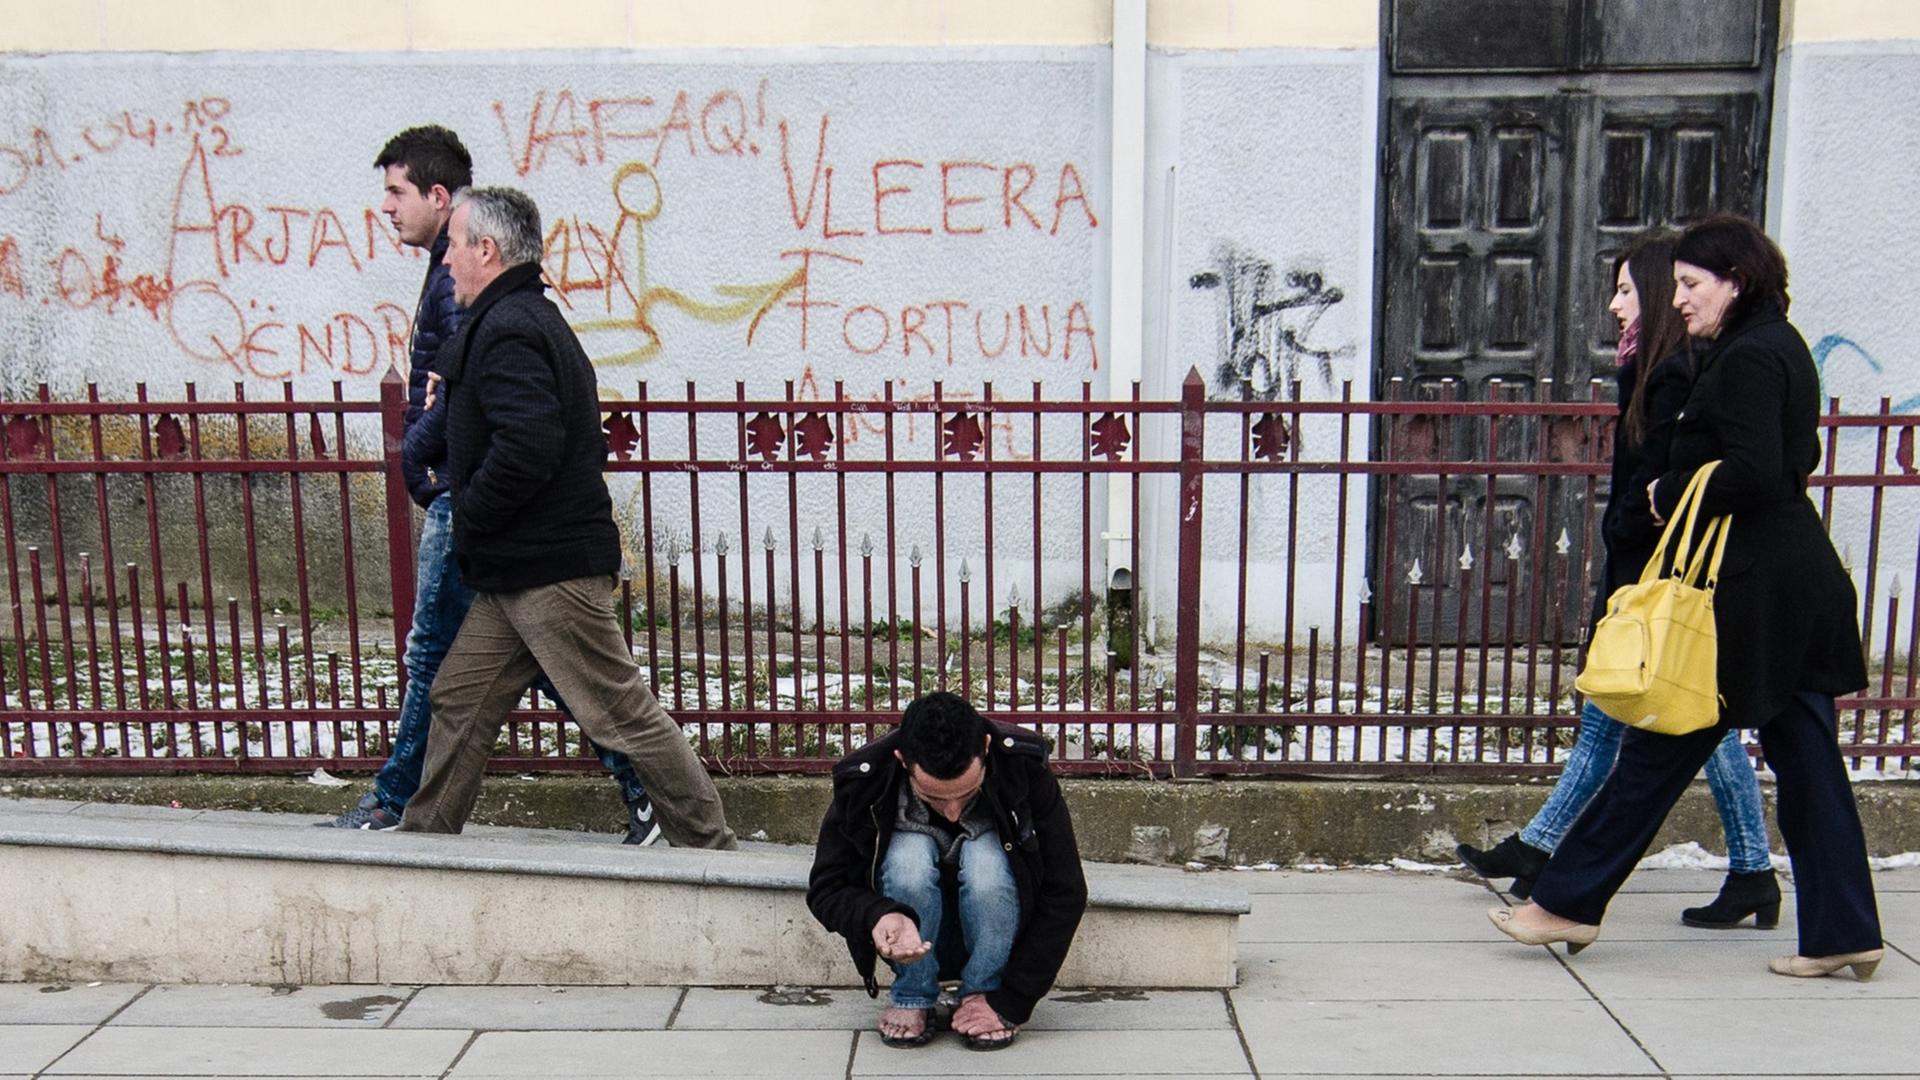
(525, 451)
(436, 318)
(843, 892)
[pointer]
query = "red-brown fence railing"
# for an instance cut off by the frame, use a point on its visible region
(1313, 587)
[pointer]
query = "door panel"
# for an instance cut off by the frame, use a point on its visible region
(1476, 230)
(1657, 161)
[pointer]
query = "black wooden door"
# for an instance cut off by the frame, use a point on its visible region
(1478, 198)
(1527, 141)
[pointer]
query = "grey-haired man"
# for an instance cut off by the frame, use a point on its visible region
(533, 527)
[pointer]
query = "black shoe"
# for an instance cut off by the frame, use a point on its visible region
(643, 828)
(1512, 857)
(1756, 894)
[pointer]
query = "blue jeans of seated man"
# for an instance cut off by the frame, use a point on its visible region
(978, 942)
(440, 604)
(1730, 776)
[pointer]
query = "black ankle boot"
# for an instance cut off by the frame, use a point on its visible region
(1512, 857)
(1741, 895)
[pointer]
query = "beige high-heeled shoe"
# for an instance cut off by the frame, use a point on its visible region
(1575, 937)
(1863, 963)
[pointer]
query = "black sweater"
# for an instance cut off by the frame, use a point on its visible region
(1627, 528)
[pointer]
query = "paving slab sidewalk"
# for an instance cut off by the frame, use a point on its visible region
(1348, 973)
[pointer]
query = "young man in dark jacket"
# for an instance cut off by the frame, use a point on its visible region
(534, 534)
(948, 851)
(422, 170)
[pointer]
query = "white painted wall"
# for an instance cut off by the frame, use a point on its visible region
(1845, 179)
(1270, 199)
(756, 194)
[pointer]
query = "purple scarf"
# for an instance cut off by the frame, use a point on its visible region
(1629, 343)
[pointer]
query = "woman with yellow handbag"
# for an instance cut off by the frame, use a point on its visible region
(1655, 374)
(1784, 613)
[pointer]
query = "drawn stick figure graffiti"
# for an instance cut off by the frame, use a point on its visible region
(636, 192)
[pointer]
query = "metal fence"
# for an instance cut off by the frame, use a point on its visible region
(1315, 587)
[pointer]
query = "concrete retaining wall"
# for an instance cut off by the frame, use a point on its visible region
(1343, 822)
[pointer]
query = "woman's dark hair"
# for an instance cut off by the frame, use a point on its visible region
(1731, 247)
(1663, 333)
(942, 733)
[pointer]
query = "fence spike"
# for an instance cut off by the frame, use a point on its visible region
(1466, 557)
(966, 574)
(1366, 592)
(1564, 544)
(819, 540)
(866, 545)
(1514, 548)
(768, 539)
(1414, 576)
(1013, 598)
(1894, 589)
(720, 544)
(913, 557)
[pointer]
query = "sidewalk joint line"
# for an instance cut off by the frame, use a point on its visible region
(853, 1048)
(1233, 1015)
(1564, 962)
(472, 1037)
(110, 1018)
(395, 1014)
(678, 1002)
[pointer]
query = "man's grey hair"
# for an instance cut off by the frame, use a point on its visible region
(508, 216)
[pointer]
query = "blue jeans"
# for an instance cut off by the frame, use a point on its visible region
(440, 603)
(977, 944)
(1730, 776)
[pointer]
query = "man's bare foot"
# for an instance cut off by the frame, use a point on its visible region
(982, 1027)
(906, 1027)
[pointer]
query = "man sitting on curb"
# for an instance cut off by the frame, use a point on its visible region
(948, 852)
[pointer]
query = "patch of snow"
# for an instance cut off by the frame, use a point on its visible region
(1422, 867)
(325, 779)
(1907, 860)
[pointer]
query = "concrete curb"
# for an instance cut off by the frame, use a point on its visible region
(1286, 822)
(538, 852)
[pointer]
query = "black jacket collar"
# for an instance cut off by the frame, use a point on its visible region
(1749, 321)
(523, 277)
(511, 280)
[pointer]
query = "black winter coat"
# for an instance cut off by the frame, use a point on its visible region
(1626, 528)
(843, 891)
(436, 318)
(525, 450)
(1785, 608)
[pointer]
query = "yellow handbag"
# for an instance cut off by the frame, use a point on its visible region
(1654, 659)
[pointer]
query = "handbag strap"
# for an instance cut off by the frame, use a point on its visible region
(1681, 522)
(1703, 570)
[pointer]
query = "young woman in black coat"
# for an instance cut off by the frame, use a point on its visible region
(1789, 639)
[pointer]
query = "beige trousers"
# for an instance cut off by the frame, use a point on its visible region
(570, 631)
